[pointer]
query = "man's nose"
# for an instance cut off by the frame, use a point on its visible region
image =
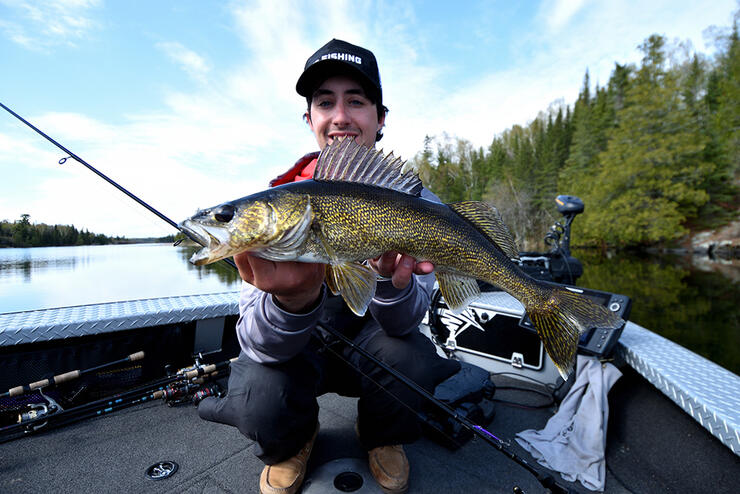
(341, 116)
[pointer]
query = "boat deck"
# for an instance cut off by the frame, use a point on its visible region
(652, 447)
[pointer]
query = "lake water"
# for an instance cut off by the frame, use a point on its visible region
(45, 277)
(695, 302)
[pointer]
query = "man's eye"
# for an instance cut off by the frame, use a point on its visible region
(323, 104)
(357, 102)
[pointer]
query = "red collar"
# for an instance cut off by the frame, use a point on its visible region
(302, 170)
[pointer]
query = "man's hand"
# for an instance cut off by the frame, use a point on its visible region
(295, 286)
(399, 267)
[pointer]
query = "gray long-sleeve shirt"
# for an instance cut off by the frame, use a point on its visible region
(268, 334)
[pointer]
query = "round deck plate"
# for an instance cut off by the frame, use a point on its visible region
(161, 470)
(342, 475)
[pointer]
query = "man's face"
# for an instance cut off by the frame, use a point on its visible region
(339, 107)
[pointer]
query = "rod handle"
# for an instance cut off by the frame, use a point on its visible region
(67, 376)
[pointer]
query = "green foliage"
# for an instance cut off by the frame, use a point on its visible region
(22, 233)
(647, 181)
(653, 153)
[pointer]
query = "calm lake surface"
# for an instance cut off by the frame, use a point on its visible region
(692, 301)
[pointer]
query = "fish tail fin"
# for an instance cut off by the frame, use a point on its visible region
(560, 317)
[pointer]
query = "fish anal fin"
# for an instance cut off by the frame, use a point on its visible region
(355, 282)
(458, 291)
(488, 220)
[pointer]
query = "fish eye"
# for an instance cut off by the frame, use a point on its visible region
(224, 213)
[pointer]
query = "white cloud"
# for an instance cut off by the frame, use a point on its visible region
(40, 25)
(195, 65)
(557, 13)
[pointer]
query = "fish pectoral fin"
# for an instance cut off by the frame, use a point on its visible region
(458, 291)
(355, 282)
(488, 220)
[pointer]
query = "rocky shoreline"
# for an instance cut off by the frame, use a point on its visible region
(721, 244)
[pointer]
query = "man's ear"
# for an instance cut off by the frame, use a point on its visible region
(307, 119)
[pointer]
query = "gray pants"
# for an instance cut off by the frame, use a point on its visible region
(275, 405)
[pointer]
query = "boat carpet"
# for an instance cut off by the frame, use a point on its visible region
(110, 454)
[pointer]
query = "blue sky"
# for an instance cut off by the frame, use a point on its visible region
(192, 103)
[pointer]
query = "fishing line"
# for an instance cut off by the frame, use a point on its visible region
(73, 156)
(546, 480)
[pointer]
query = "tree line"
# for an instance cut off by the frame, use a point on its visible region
(654, 153)
(23, 233)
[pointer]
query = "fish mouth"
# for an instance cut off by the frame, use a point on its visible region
(213, 240)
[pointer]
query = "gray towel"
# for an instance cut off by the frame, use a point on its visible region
(574, 439)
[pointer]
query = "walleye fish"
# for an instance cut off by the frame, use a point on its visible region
(362, 203)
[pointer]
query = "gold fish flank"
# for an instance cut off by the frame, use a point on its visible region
(342, 221)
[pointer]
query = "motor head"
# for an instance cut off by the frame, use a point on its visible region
(569, 205)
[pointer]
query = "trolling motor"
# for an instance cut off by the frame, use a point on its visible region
(557, 264)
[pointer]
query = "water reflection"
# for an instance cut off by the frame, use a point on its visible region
(12, 268)
(46, 277)
(693, 302)
(223, 271)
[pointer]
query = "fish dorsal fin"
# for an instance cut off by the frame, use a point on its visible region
(348, 161)
(488, 220)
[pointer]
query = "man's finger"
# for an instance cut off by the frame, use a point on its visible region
(404, 270)
(386, 263)
(424, 267)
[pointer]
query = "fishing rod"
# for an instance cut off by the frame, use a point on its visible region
(67, 376)
(72, 155)
(185, 386)
(547, 481)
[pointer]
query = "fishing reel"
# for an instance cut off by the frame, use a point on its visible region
(191, 392)
(190, 389)
(32, 413)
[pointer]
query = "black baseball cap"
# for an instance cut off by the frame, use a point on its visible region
(340, 57)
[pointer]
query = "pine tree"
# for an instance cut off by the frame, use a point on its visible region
(722, 103)
(653, 166)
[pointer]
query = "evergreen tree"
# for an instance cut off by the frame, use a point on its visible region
(722, 101)
(650, 173)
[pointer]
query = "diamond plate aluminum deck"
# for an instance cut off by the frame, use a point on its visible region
(706, 391)
(68, 322)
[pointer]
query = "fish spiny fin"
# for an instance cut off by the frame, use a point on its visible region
(489, 221)
(348, 161)
(458, 291)
(561, 317)
(355, 282)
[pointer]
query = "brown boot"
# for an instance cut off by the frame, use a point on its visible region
(390, 467)
(286, 477)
